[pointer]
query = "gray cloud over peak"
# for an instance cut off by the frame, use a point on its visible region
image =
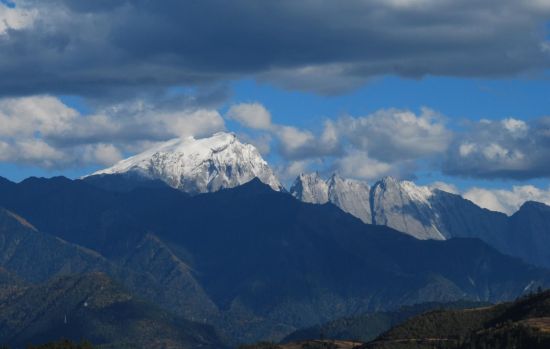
(508, 148)
(97, 48)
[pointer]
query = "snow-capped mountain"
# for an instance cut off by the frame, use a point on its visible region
(311, 188)
(406, 207)
(420, 211)
(350, 195)
(199, 165)
(401, 205)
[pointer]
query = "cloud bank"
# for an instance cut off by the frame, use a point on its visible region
(43, 131)
(103, 48)
(507, 201)
(508, 148)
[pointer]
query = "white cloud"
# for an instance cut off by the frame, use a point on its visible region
(188, 123)
(393, 134)
(358, 165)
(393, 139)
(252, 115)
(293, 143)
(485, 198)
(43, 131)
(104, 154)
(293, 140)
(466, 149)
(517, 128)
(507, 201)
(448, 187)
(291, 169)
(21, 117)
(262, 142)
(494, 151)
(15, 18)
(296, 144)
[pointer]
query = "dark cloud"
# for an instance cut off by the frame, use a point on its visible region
(102, 48)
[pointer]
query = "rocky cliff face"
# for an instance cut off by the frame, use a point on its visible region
(405, 207)
(311, 188)
(397, 204)
(351, 196)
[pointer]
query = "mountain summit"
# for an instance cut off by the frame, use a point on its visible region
(350, 195)
(419, 211)
(429, 213)
(199, 165)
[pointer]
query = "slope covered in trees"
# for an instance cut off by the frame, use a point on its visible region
(524, 323)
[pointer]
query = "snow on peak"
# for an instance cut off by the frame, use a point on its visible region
(417, 192)
(413, 192)
(350, 195)
(310, 188)
(406, 207)
(398, 204)
(200, 165)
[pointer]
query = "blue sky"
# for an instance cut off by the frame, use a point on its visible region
(434, 91)
(457, 99)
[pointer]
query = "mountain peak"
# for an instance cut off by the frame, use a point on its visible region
(534, 205)
(311, 188)
(335, 177)
(199, 165)
(408, 188)
(350, 195)
(399, 204)
(387, 181)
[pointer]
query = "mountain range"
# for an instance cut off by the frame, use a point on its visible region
(254, 262)
(222, 161)
(430, 213)
(202, 231)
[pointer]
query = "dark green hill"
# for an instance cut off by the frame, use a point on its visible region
(150, 270)
(92, 306)
(259, 264)
(524, 323)
(366, 327)
(35, 256)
